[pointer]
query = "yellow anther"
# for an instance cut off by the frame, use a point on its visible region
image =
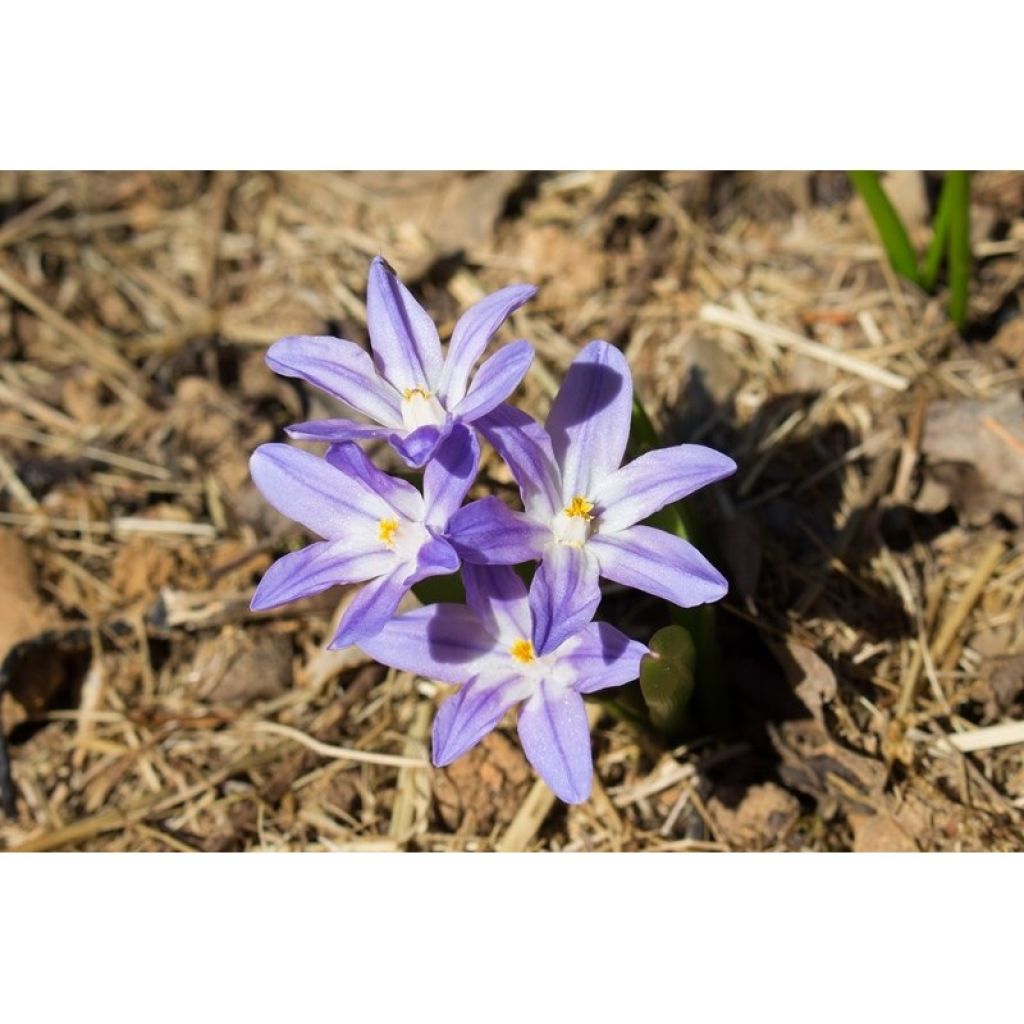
(579, 508)
(386, 530)
(522, 650)
(410, 393)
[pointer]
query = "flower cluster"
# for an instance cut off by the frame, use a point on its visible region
(581, 520)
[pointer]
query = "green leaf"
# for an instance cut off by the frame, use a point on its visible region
(667, 678)
(890, 228)
(440, 590)
(959, 185)
(937, 247)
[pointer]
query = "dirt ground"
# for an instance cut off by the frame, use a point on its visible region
(873, 536)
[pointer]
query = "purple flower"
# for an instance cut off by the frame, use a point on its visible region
(583, 508)
(377, 529)
(490, 647)
(413, 392)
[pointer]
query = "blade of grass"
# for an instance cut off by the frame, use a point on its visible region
(940, 233)
(887, 221)
(959, 185)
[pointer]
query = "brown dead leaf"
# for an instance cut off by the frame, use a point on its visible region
(813, 763)
(765, 814)
(975, 449)
(813, 681)
(879, 833)
(23, 616)
(238, 667)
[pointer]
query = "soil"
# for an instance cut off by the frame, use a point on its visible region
(873, 536)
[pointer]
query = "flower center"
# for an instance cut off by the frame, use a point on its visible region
(522, 651)
(420, 409)
(572, 525)
(579, 508)
(386, 530)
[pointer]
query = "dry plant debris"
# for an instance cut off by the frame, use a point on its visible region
(874, 635)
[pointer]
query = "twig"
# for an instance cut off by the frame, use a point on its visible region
(326, 750)
(748, 325)
(1003, 735)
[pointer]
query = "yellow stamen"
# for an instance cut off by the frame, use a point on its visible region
(522, 651)
(410, 393)
(386, 530)
(579, 508)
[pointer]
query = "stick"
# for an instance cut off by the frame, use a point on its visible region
(748, 325)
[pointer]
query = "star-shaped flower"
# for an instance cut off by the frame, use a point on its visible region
(490, 647)
(377, 529)
(413, 392)
(583, 507)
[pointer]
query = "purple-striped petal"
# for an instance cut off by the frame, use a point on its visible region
(474, 330)
(440, 641)
(316, 568)
(495, 381)
(525, 447)
(499, 601)
(336, 431)
(464, 719)
(406, 348)
(650, 482)
(418, 446)
(555, 735)
(398, 493)
(313, 493)
(488, 532)
(341, 368)
(658, 563)
(564, 595)
(436, 558)
(600, 656)
(589, 418)
(449, 474)
(371, 608)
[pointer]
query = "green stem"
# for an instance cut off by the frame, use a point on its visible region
(940, 233)
(959, 185)
(890, 228)
(679, 518)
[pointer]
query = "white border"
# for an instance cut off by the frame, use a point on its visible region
(535, 84)
(579, 937)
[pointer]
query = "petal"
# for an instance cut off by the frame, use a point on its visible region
(495, 381)
(341, 368)
(499, 601)
(436, 558)
(372, 607)
(564, 595)
(398, 493)
(449, 474)
(658, 563)
(475, 328)
(599, 656)
(654, 480)
(526, 448)
(314, 569)
(418, 446)
(555, 735)
(589, 418)
(404, 340)
(335, 431)
(488, 532)
(313, 493)
(464, 719)
(440, 641)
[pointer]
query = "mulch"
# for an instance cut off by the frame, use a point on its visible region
(873, 637)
